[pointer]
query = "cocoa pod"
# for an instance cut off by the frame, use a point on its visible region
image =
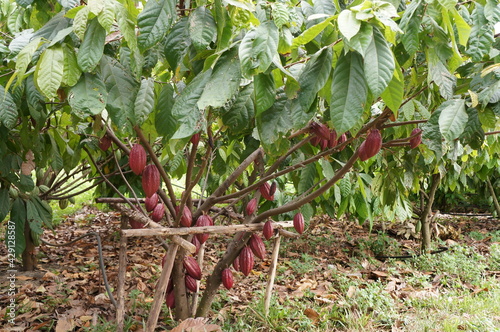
(137, 159)
(236, 264)
(203, 220)
(415, 141)
(268, 230)
(264, 191)
(257, 245)
(315, 140)
(272, 188)
(163, 260)
(151, 202)
(197, 244)
(195, 139)
(227, 278)
(192, 267)
(298, 222)
(170, 285)
(190, 283)
(150, 180)
(332, 142)
(246, 260)
(341, 140)
(158, 212)
(135, 224)
(187, 217)
(251, 207)
(371, 146)
(105, 143)
(323, 144)
(320, 130)
(170, 299)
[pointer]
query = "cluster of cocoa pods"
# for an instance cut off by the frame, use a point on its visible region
(325, 137)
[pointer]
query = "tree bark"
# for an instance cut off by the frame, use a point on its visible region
(29, 253)
(425, 217)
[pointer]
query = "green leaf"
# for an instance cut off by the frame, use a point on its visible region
(448, 4)
(452, 119)
(280, 14)
(463, 29)
(202, 28)
(67, 4)
(264, 91)
(154, 22)
(177, 43)
(275, 121)
(241, 113)
(224, 82)
(311, 33)
(348, 24)
(481, 36)
(126, 25)
(52, 27)
(164, 120)
(473, 133)
(145, 100)
(80, 22)
(122, 91)
(8, 109)
(4, 203)
(307, 178)
(258, 48)
(107, 15)
(362, 39)
(440, 74)
(349, 92)
(410, 38)
(379, 64)
(185, 109)
(71, 70)
(18, 216)
(247, 5)
(44, 211)
(313, 77)
(24, 3)
(49, 71)
(24, 58)
(88, 97)
(92, 47)
(33, 218)
(394, 93)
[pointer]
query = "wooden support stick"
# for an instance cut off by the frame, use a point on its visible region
(166, 231)
(272, 274)
(159, 297)
(122, 270)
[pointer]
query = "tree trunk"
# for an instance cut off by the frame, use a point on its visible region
(29, 253)
(494, 196)
(426, 214)
(182, 311)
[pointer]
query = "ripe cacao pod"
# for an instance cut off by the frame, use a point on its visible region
(315, 140)
(298, 222)
(158, 212)
(197, 244)
(203, 220)
(187, 217)
(272, 188)
(268, 230)
(371, 146)
(264, 191)
(236, 264)
(246, 260)
(227, 278)
(151, 202)
(341, 140)
(323, 144)
(170, 285)
(135, 224)
(192, 267)
(332, 142)
(415, 141)
(137, 159)
(195, 139)
(251, 207)
(257, 245)
(150, 180)
(190, 283)
(105, 143)
(170, 299)
(320, 130)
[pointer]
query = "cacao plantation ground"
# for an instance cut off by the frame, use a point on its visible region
(327, 280)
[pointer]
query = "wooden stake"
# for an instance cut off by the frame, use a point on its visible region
(122, 270)
(159, 297)
(272, 274)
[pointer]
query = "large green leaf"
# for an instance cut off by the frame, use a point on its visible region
(440, 74)
(18, 217)
(264, 91)
(307, 178)
(258, 48)
(4, 203)
(185, 110)
(126, 25)
(92, 47)
(8, 109)
(241, 113)
(24, 58)
(50, 30)
(88, 97)
(362, 39)
(154, 22)
(71, 70)
(122, 91)
(481, 36)
(473, 132)
(348, 24)
(311, 33)
(379, 64)
(223, 83)
(394, 93)
(202, 28)
(275, 121)
(177, 43)
(164, 120)
(452, 119)
(145, 100)
(49, 71)
(348, 92)
(313, 77)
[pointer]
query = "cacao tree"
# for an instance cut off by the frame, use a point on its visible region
(300, 105)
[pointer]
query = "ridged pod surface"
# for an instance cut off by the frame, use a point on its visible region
(371, 146)
(151, 202)
(236, 264)
(268, 230)
(150, 180)
(320, 130)
(203, 220)
(137, 159)
(187, 217)
(190, 283)
(415, 141)
(135, 224)
(158, 212)
(298, 222)
(264, 191)
(246, 260)
(105, 143)
(257, 245)
(170, 299)
(197, 244)
(251, 207)
(192, 267)
(227, 278)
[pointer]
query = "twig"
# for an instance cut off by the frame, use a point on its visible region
(272, 274)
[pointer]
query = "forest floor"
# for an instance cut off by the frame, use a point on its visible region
(329, 279)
